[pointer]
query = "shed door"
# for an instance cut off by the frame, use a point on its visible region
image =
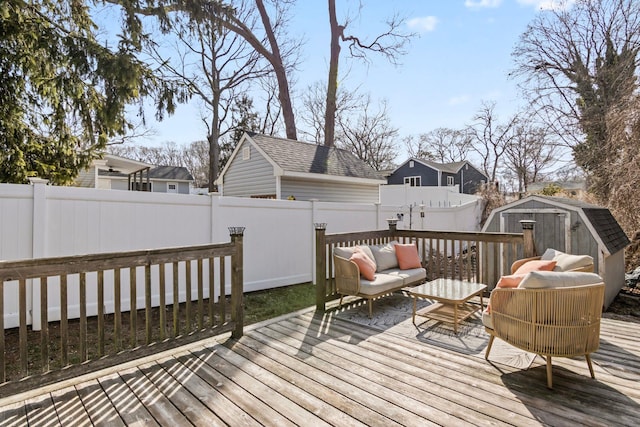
(550, 229)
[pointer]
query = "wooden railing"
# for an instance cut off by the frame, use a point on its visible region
(105, 339)
(477, 257)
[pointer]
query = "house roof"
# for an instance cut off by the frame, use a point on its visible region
(302, 157)
(166, 173)
(453, 167)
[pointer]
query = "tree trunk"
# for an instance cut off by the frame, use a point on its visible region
(281, 75)
(332, 83)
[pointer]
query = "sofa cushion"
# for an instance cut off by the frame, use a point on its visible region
(536, 265)
(385, 256)
(367, 251)
(344, 252)
(365, 264)
(381, 283)
(407, 255)
(409, 276)
(558, 279)
(486, 318)
(566, 262)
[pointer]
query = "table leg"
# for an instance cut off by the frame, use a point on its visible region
(415, 304)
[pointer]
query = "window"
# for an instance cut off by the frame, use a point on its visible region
(172, 187)
(413, 181)
(450, 181)
(410, 163)
(246, 153)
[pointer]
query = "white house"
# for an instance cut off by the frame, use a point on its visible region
(118, 173)
(275, 168)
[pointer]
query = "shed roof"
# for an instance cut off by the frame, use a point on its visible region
(602, 222)
(303, 157)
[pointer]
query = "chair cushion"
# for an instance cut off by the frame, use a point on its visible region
(486, 318)
(566, 262)
(558, 279)
(385, 256)
(367, 251)
(365, 264)
(407, 255)
(536, 265)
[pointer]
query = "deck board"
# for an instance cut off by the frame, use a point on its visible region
(307, 369)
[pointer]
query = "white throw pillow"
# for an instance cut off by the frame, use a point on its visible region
(558, 279)
(566, 262)
(385, 256)
(344, 252)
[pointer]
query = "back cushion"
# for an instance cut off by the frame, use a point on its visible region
(365, 264)
(385, 256)
(558, 279)
(566, 262)
(345, 252)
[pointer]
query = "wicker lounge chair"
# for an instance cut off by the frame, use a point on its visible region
(537, 317)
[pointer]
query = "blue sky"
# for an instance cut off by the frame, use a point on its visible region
(461, 58)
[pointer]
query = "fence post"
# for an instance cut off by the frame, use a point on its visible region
(393, 227)
(38, 244)
(237, 281)
(321, 266)
(529, 242)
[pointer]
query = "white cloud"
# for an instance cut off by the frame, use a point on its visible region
(548, 4)
(423, 24)
(459, 100)
(482, 4)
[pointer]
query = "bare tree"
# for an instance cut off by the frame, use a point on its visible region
(491, 139)
(390, 44)
(579, 65)
(369, 135)
(442, 145)
(529, 154)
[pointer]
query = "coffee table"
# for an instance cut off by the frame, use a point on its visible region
(452, 298)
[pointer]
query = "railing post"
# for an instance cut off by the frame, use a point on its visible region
(237, 281)
(321, 266)
(529, 242)
(393, 227)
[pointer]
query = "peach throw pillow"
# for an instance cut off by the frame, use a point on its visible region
(537, 265)
(407, 255)
(365, 264)
(511, 281)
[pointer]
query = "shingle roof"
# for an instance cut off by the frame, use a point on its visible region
(453, 167)
(603, 222)
(178, 173)
(296, 156)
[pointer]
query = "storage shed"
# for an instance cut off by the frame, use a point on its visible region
(571, 226)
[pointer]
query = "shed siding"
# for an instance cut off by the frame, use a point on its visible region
(428, 176)
(250, 177)
(329, 191)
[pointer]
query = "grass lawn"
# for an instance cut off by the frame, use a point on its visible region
(263, 305)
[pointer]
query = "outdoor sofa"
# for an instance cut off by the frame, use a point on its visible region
(370, 271)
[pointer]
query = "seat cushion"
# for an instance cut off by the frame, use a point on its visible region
(408, 276)
(566, 262)
(558, 279)
(385, 256)
(381, 283)
(486, 318)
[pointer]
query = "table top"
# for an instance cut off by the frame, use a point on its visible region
(448, 290)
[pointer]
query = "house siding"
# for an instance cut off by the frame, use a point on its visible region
(251, 177)
(329, 191)
(428, 176)
(471, 179)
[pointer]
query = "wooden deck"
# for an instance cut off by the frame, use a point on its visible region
(312, 370)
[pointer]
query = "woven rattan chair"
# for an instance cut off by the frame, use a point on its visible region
(551, 322)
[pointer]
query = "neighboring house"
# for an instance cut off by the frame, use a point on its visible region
(118, 173)
(275, 168)
(426, 173)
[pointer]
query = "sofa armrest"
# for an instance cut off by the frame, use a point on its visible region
(347, 276)
(518, 263)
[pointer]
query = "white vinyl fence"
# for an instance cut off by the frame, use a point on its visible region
(40, 220)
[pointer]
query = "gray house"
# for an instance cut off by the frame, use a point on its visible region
(570, 226)
(422, 173)
(119, 173)
(275, 168)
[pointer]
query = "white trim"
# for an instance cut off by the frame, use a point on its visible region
(332, 178)
(417, 180)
